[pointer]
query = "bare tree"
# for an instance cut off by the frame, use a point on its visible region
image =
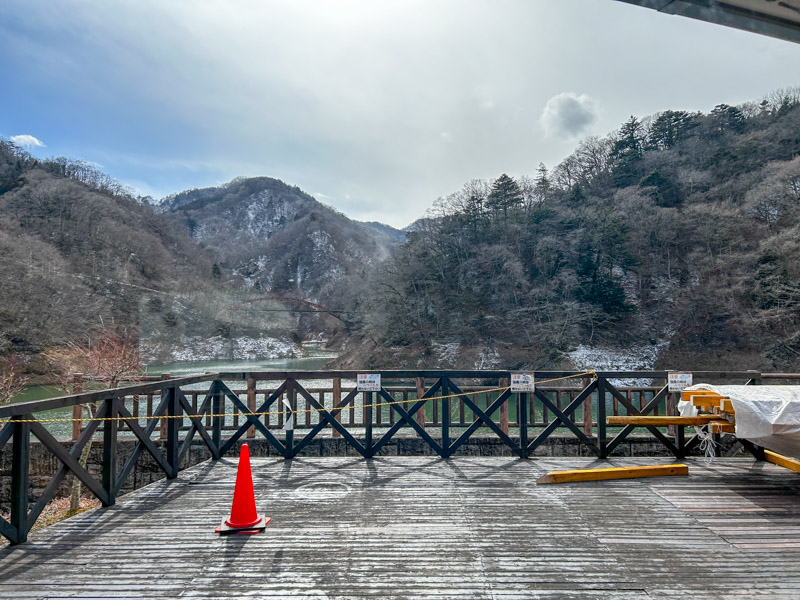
(108, 357)
(12, 380)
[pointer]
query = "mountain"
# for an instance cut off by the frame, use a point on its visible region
(276, 239)
(399, 235)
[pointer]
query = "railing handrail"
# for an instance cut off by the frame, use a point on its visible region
(368, 434)
(22, 408)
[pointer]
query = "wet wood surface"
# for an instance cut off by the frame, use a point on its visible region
(403, 527)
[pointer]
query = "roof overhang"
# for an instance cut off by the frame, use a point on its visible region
(775, 18)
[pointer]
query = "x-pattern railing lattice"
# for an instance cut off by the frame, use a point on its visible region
(174, 409)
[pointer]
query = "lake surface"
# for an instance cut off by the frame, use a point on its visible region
(315, 361)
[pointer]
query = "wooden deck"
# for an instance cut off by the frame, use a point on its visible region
(397, 527)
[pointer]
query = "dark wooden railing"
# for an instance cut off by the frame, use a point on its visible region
(444, 408)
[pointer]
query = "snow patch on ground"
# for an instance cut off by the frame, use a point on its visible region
(190, 348)
(323, 246)
(632, 358)
(446, 354)
(316, 338)
(488, 359)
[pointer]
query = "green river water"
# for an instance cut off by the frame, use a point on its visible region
(315, 361)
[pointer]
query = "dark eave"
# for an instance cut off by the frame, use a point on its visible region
(775, 18)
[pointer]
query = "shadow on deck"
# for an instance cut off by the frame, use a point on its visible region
(403, 527)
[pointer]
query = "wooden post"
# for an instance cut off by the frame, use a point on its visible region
(251, 404)
(504, 408)
(522, 419)
(110, 449)
(672, 403)
(164, 422)
(20, 480)
(173, 432)
(291, 396)
(587, 413)
(337, 399)
(680, 441)
(601, 419)
(445, 417)
(77, 410)
(422, 411)
(367, 418)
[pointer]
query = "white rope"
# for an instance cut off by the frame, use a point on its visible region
(707, 443)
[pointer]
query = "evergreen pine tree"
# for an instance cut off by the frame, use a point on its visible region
(505, 194)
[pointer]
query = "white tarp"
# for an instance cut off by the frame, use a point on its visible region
(767, 415)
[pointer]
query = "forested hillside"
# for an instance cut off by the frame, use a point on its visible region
(679, 233)
(211, 273)
(78, 250)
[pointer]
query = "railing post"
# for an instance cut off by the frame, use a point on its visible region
(587, 410)
(163, 423)
(110, 428)
(422, 412)
(77, 410)
(251, 404)
(367, 416)
(173, 431)
(601, 418)
(504, 382)
(522, 419)
(337, 399)
(680, 442)
(291, 396)
(20, 482)
(672, 404)
(216, 410)
(445, 417)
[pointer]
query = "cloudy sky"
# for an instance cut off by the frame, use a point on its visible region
(376, 107)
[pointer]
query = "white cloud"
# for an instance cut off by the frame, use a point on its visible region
(568, 115)
(26, 141)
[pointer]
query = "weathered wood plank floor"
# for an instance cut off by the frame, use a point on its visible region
(400, 527)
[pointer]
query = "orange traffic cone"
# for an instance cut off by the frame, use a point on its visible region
(244, 518)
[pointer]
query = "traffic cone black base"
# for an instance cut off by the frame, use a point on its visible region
(225, 529)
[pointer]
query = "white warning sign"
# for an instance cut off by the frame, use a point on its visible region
(678, 382)
(522, 382)
(369, 382)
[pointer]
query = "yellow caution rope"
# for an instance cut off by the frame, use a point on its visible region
(290, 412)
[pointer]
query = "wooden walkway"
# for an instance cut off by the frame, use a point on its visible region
(397, 527)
